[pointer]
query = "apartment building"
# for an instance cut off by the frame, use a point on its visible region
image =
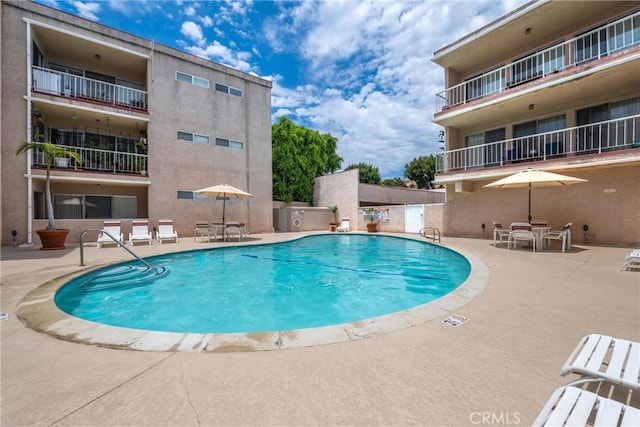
(151, 125)
(555, 86)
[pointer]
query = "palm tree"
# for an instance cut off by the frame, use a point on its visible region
(51, 151)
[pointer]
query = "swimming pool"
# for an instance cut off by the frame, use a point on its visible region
(310, 282)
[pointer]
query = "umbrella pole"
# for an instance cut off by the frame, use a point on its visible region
(224, 201)
(529, 216)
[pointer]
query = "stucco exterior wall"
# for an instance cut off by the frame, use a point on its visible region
(340, 189)
(609, 204)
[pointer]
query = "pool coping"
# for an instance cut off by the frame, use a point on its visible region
(38, 311)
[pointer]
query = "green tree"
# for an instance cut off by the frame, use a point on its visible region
(393, 182)
(299, 156)
(421, 170)
(367, 173)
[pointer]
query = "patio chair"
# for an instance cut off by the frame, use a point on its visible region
(140, 231)
(500, 233)
(632, 260)
(345, 225)
(166, 231)
(521, 232)
(573, 406)
(232, 228)
(602, 357)
(564, 235)
(202, 229)
(113, 227)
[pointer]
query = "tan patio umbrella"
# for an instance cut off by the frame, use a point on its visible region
(534, 178)
(224, 191)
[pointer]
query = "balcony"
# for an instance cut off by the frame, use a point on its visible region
(584, 140)
(599, 43)
(99, 153)
(77, 87)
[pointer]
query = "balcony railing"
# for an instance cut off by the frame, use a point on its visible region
(595, 44)
(96, 160)
(64, 84)
(577, 141)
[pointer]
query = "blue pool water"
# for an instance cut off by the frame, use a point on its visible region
(310, 282)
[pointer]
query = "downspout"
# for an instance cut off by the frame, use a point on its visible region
(28, 130)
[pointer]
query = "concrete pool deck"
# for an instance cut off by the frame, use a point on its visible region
(499, 367)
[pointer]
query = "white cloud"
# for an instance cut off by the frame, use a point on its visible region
(87, 10)
(193, 32)
(373, 82)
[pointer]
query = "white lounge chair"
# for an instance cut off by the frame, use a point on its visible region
(113, 227)
(166, 231)
(345, 225)
(632, 260)
(573, 406)
(140, 231)
(564, 235)
(611, 359)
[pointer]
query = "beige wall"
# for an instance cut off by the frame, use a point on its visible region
(340, 189)
(609, 204)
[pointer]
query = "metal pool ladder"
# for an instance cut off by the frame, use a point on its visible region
(118, 242)
(432, 233)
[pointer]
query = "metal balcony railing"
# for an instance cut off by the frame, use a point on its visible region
(595, 44)
(64, 84)
(594, 138)
(96, 160)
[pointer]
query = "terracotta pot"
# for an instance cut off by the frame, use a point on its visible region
(53, 239)
(333, 226)
(372, 227)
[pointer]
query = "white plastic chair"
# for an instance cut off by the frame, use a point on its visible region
(140, 231)
(165, 231)
(499, 233)
(202, 229)
(521, 232)
(113, 227)
(345, 225)
(564, 235)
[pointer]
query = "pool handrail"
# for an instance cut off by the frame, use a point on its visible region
(434, 231)
(118, 242)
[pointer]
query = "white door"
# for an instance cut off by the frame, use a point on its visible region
(413, 218)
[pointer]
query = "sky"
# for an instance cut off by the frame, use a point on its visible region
(360, 70)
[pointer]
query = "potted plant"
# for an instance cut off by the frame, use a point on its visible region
(51, 238)
(333, 225)
(143, 166)
(372, 225)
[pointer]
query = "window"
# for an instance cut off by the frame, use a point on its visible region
(620, 34)
(540, 137)
(484, 153)
(229, 143)
(484, 84)
(188, 78)
(190, 195)
(192, 137)
(74, 206)
(228, 90)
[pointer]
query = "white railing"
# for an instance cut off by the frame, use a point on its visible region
(96, 160)
(595, 44)
(581, 140)
(72, 86)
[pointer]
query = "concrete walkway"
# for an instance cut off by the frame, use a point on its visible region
(498, 368)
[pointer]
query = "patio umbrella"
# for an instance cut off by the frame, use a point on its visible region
(223, 191)
(534, 178)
